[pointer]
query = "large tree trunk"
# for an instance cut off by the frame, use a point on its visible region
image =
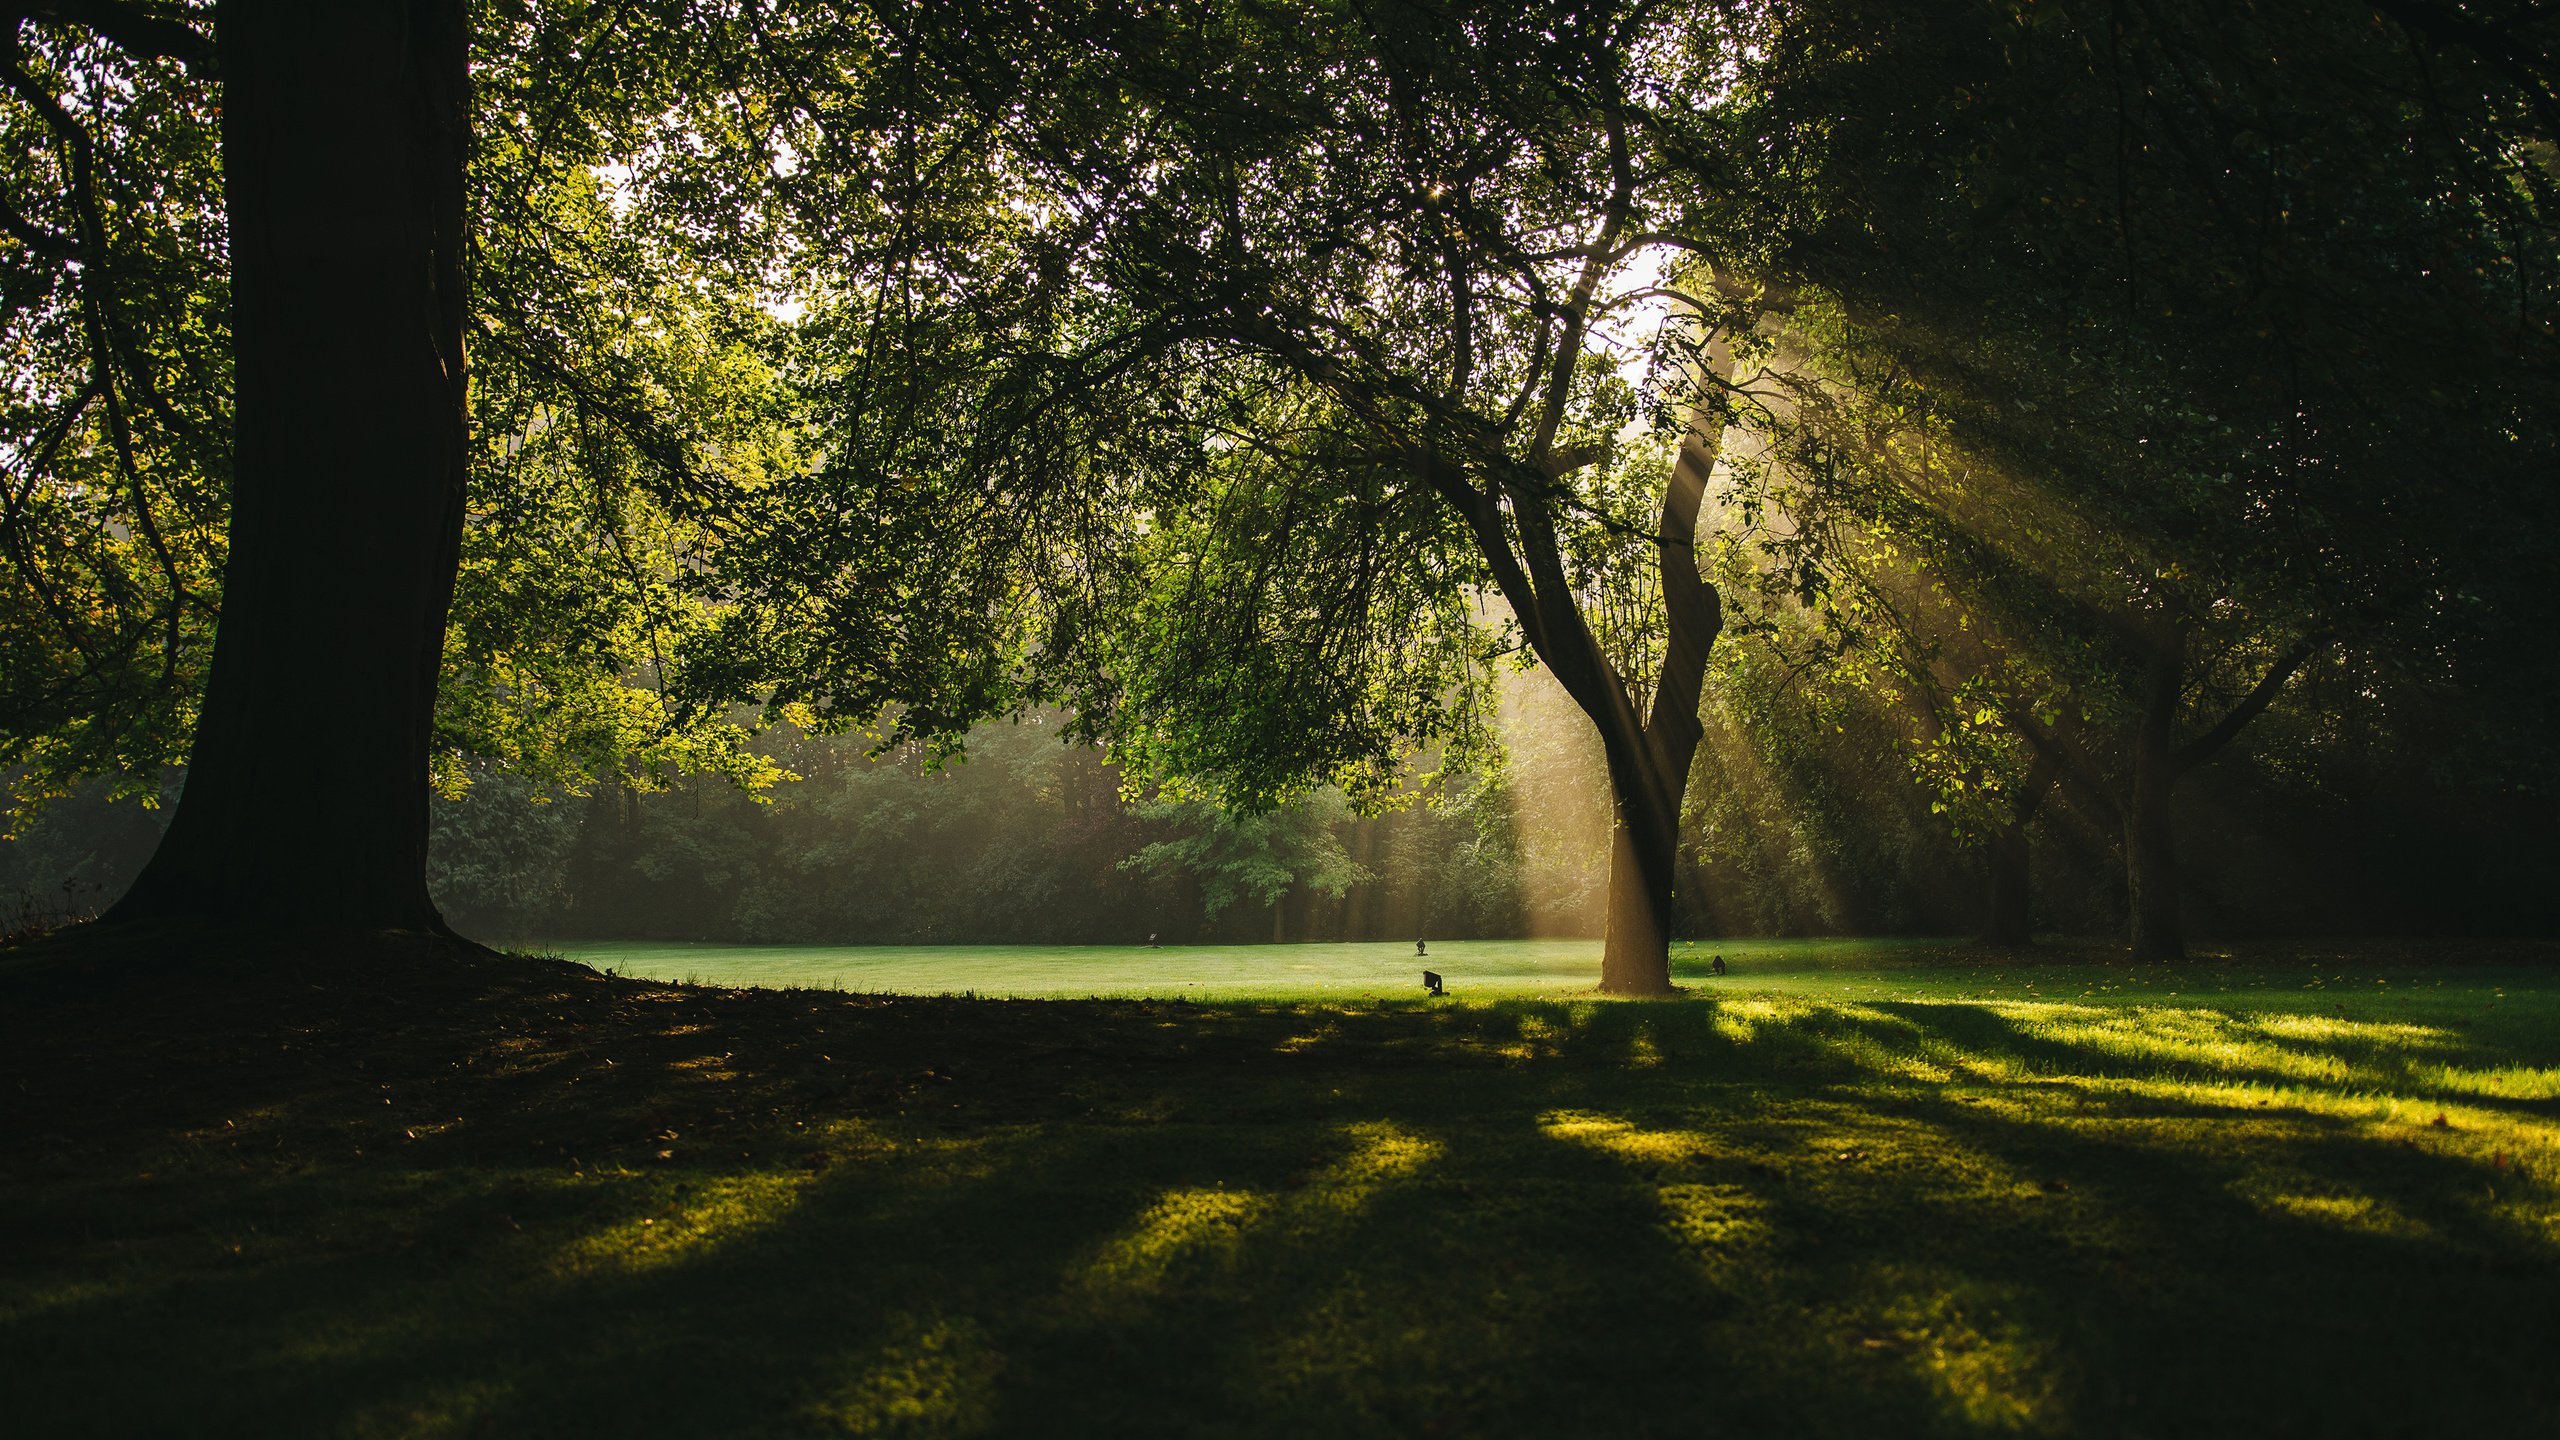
(345, 127)
(2150, 847)
(1635, 958)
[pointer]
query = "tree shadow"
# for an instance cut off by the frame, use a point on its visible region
(985, 1217)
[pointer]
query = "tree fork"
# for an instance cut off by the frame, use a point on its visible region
(345, 131)
(1649, 767)
(2149, 806)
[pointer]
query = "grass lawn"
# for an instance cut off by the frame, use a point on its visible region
(1474, 969)
(1869, 1189)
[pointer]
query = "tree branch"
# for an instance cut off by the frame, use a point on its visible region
(2066, 754)
(2536, 75)
(143, 31)
(1568, 353)
(2202, 748)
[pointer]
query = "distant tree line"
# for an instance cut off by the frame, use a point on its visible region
(1027, 840)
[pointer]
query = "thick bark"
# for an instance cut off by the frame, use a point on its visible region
(1635, 958)
(344, 134)
(2150, 846)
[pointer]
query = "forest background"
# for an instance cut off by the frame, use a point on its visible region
(1029, 839)
(1989, 517)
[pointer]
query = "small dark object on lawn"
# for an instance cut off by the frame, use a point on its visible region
(1431, 982)
(1716, 966)
(1418, 948)
(1151, 941)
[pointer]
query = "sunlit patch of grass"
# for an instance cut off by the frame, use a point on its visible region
(1381, 1153)
(1181, 1225)
(2505, 1082)
(1539, 1038)
(1883, 1043)
(1643, 1051)
(1624, 1141)
(2378, 1109)
(1716, 1224)
(2292, 1193)
(1537, 1028)
(1739, 1018)
(2330, 1030)
(2207, 1040)
(1326, 1029)
(686, 1221)
(933, 1375)
(1987, 1366)
(1189, 1226)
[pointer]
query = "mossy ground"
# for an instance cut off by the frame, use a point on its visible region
(276, 1188)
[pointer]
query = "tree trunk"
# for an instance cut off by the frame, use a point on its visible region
(345, 128)
(1648, 755)
(2150, 847)
(2006, 860)
(2006, 919)
(1635, 959)
(1649, 766)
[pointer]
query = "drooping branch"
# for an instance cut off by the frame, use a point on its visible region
(143, 31)
(2202, 748)
(2535, 74)
(96, 300)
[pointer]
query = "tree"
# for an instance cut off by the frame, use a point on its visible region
(2111, 428)
(344, 136)
(1262, 857)
(1332, 374)
(381, 172)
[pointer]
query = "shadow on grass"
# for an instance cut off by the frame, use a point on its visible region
(615, 1208)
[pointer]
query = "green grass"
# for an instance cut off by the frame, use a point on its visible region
(1851, 1190)
(1892, 969)
(1480, 969)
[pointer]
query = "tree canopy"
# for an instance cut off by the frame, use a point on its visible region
(1253, 381)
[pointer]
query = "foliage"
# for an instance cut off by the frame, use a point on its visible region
(632, 377)
(2084, 340)
(114, 411)
(1250, 856)
(1247, 385)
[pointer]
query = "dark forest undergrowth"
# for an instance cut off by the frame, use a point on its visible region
(265, 1187)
